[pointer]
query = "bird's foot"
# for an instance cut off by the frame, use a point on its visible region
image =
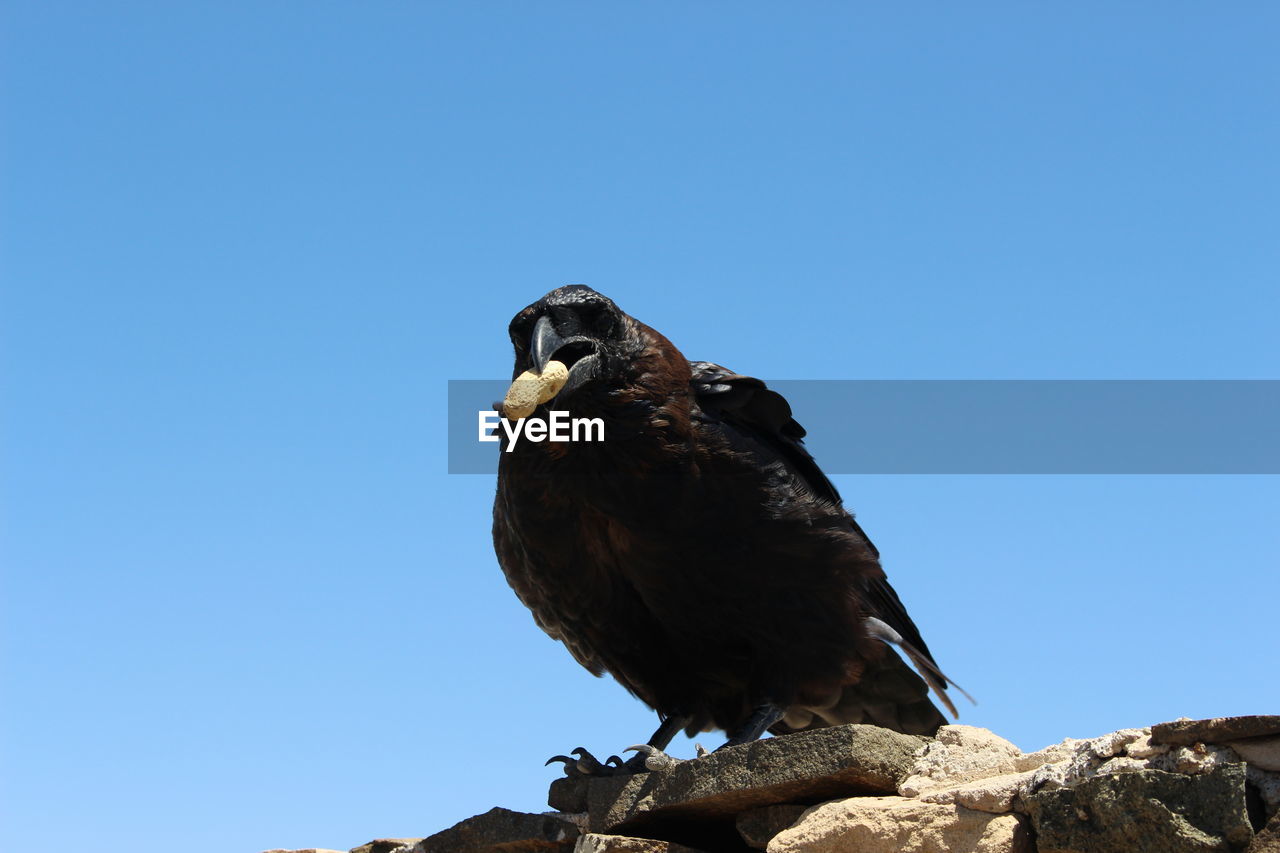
(649, 757)
(586, 764)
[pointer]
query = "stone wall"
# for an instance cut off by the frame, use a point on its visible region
(1190, 786)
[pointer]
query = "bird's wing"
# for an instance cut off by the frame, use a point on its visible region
(746, 404)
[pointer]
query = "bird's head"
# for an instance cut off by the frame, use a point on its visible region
(580, 328)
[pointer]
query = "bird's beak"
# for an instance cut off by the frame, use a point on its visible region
(544, 343)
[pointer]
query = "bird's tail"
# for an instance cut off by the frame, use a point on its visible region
(889, 694)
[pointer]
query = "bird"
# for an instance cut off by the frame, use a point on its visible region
(697, 553)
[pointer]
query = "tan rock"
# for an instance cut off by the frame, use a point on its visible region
(1062, 765)
(1144, 748)
(1260, 752)
(1195, 759)
(949, 769)
(898, 825)
(958, 754)
(995, 795)
(978, 770)
(1049, 755)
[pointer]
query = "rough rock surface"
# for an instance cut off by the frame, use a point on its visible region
(385, 845)
(983, 780)
(1267, 784)
(1215, 730)
(1267, 841)
(569, 793)
(758, 826)
(899, 825)
(498, 828)
(806, 768)
(1260, 752)
(592, 843)
(1189, 785)
(959, 754)
(1146, 811)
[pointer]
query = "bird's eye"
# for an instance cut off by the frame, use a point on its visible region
(602, 323)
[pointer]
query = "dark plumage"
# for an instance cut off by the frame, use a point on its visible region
(698, 554)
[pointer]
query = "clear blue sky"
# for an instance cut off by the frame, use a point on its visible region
(244, 245)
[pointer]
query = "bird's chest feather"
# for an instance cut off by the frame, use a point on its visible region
(657, 518)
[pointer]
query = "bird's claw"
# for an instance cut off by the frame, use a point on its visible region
(580, 762)
(654, 758)
(583, 763)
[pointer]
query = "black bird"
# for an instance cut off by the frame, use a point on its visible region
(697, 554)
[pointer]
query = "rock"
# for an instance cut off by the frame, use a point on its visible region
(504, 830)
(758, 826)
(1267, 841)
(385, 845)
(982, 778)
(976, 769)
(1049, 755)
(569, 793)
(1261, 752)
(996, 795)
(807, 768)
(1144, 748)
(1195, 759)
(1216, 730)
(1001, 794)
(958, 754)
(592, 843)
(1267, 783)
(899, 825)
(1149, 811)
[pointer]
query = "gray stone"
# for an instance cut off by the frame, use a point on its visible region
(1147, 811)
(758, 826)
(569, 793)
(1215, 730)
(808, 768)
(593, 843)
(385, 845)
(503, 831)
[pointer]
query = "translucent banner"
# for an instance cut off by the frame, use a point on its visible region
(986, 426)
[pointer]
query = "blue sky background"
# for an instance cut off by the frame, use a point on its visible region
(246, 244)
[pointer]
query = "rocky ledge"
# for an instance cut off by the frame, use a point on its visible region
(1190, 786)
